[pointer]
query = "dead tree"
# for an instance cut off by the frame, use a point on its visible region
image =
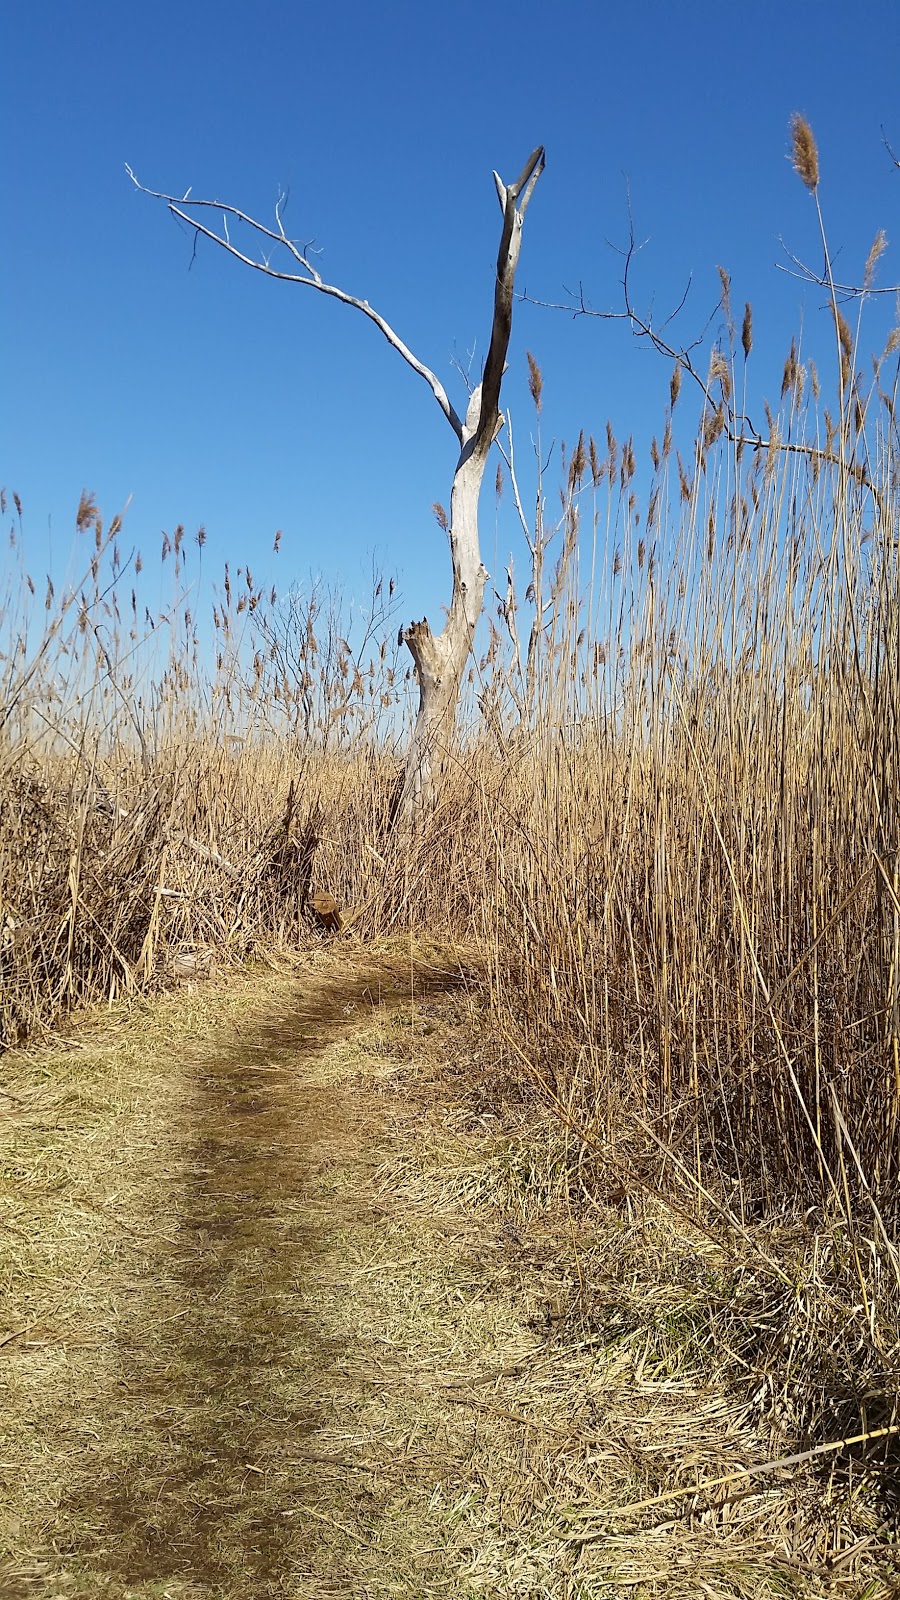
(440, 658)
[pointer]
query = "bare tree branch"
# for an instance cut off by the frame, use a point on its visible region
(820, 280)
(825, 280)
(738, 426)
(507, 260)
(185, 210)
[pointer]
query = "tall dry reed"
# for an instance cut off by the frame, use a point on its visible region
(673, 820)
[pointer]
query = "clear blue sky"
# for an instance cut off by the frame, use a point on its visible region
(213, 397)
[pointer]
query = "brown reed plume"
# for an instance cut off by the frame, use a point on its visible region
(804, 152)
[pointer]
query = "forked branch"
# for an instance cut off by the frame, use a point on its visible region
(189, 211)
(513, 209)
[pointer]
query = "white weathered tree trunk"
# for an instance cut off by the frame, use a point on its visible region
(440, 659)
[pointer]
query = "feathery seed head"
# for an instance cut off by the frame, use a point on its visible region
(879, 245)
(772, 453)
(535, 380)
(719, 372)
(713, 426)
(87, 511)
(804, 154)
(725, 280)
(578, 463)
(789, 376)
(844, 334)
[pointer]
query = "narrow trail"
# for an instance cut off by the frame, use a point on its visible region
(291, 1310)
(235, 1371)
(232, 1375)
(262, 1406)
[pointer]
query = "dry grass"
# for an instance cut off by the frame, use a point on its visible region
(654, 1415)
(296, 1321)
(176, 1266)
(672, 829)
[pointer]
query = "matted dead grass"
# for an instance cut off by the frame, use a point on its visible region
(662, 1423)
(293, 1309)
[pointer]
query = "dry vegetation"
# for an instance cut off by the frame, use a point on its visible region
(671, 828)
(300, 1307)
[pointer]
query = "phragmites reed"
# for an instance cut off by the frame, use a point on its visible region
(845, 341)
(719, 372)
(725, 281)
(789, 376)
(844, 334)
(804, 153)
(578, 463)
(879, 245)
(747, 329)
(535, 380)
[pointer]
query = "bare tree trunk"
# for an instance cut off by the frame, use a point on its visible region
(440, 659)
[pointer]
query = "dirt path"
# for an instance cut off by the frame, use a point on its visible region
(233, 1372)
(252, 1386)
(290, 1309)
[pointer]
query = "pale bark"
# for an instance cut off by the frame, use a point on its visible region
(440, 659)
